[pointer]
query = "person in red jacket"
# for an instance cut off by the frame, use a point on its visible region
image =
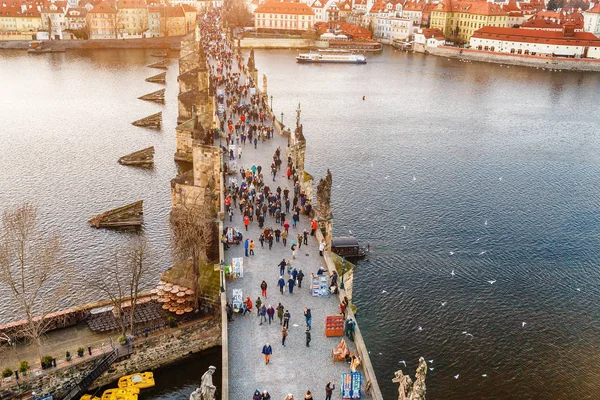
(246, 221)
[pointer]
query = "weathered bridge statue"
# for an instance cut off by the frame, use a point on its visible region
(409, 391)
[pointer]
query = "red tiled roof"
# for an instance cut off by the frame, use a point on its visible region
(594, 10)
(82, 12)
(381, 5)
(175, 12)
(103, 8)
(344, 28)
(123, 4)
(188, 8)
(535, 36)
(433, 33)
(414, 6)
(276, 7)
(320, 5)
(15, 11)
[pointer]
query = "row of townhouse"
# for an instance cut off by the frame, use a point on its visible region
(96, 19)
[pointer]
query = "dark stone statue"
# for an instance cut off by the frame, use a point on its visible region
(324, 197)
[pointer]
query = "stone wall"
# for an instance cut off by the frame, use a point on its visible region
(275, 43)
(574, 64)
(160, 350)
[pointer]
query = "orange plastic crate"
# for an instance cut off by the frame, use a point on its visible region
(334, 325)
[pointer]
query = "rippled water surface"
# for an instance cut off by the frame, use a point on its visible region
(497, 166)
(488, 171)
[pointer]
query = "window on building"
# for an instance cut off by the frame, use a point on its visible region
(492, 48)
(527, 52)
(520, 51)
(512, 51)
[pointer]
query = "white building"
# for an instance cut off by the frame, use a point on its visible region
(567, 43)
(591, 20)
(414, 11)
(427, 38)
(75, 18)
(53, 19)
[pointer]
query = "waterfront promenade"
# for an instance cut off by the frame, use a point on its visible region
(294, 368)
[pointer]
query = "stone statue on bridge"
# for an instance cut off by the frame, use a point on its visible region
(207, 390)
(405, 388)
(324, 197)
(409, 391)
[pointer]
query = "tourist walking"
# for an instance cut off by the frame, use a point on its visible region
(267, 350)
(286, 226)
(281, 284)
(270, 313)
(282, 265)
(284, 333)
(286, 318)
(246, 246)
(308, 316)
(258, 303)
(248, 306)
(294, 273)
(280, 309)
(263, 314)
(299, 278)
(257, 395)
(321, 248)
(291, 284)
(329, 388)
(246, 222)
(263, 288)
(334, 278)
(266, 395)
(252, 247)
(307, 332)
(289, 397)
(305, 233)
(308, 395)
(284, 236)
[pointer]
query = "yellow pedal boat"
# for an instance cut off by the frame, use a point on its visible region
(130, 393)
(89, 397)
(140, 380)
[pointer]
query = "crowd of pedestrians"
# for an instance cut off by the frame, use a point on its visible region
(253, 196)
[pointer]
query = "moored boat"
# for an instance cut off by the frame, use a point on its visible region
(37, 47)
(337, 58)
(140, 380)
(129, 393)
(89, 397)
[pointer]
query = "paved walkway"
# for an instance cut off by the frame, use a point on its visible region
(294, 368)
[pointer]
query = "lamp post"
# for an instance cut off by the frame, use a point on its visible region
(281, 118)
(271, 103)
(343, 271)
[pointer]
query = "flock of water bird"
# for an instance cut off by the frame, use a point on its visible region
(443, 303)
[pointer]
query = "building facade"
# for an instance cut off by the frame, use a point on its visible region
(567, 43)
(132, 18)
(102, 21)
(284, 16)
(591, 20)
(458, 20)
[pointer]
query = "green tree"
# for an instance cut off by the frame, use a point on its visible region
(552, 5)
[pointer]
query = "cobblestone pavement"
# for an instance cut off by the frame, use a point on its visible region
(294, 368)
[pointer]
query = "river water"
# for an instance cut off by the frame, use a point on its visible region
(487, 171)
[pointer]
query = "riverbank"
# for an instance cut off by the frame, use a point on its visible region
(148, 43)
(521, 60)
(146, 353)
